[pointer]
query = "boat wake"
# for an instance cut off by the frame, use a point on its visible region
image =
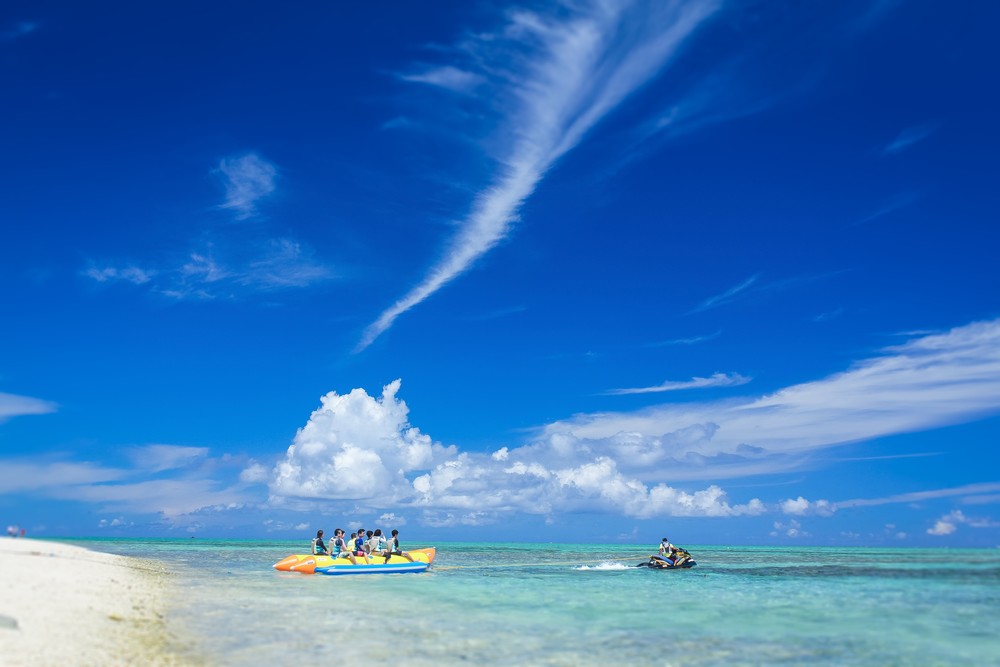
(606, 565)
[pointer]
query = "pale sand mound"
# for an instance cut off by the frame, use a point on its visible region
(63, 605)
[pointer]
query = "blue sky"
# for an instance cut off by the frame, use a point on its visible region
(575, 271)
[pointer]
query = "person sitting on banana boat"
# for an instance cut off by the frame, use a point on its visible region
(317, 546)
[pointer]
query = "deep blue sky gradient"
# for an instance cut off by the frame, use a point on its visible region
(826, 189)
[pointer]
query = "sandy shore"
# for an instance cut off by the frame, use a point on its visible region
(64, 605)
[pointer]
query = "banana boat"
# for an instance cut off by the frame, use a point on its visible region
(309, 564)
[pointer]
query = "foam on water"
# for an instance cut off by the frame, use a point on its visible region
(605, 565)
(510, 604)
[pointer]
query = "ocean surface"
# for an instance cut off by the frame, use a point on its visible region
(565, 604)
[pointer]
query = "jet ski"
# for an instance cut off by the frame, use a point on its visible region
(680, 560)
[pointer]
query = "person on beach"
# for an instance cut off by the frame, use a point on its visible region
(318, 547)
(394, 549)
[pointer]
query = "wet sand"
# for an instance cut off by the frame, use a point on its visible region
(65, 605)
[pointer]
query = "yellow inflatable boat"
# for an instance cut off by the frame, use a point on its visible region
(309, 564)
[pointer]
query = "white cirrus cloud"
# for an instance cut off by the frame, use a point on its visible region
(127, 274)
(716, 380)
(12, 405)
(931, 381)
(28, 476)
(227, 270)
(18, 30)
(907, 138)
(566, 72)
(448, 76)
(969, 493)
(727, 296)
(158, 458)
(173, 482)
(283, 263)
(248, 179)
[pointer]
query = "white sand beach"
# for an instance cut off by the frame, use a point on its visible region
(64, 605)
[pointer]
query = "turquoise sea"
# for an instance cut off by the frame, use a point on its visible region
(569, 604)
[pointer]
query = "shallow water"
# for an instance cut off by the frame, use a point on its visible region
(555, 604)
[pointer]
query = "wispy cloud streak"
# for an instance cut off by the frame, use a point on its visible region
(920, 496)
(717, 380)
(19, 30)
(12, 405)
(929, 382)
(727, 296)
(248, 179)
(687, 341)
(579, 69)
(889, 206)
(907, 138)
(128, 274)
(449, 77)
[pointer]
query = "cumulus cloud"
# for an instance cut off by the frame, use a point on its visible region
(949, 523)
(356, 446)
(791, 529)
(391, 519)
(362, 448)
(569, 72)
(248, 179)
(943, 526)
(801, 507)
(255, 473)
(270, 525)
